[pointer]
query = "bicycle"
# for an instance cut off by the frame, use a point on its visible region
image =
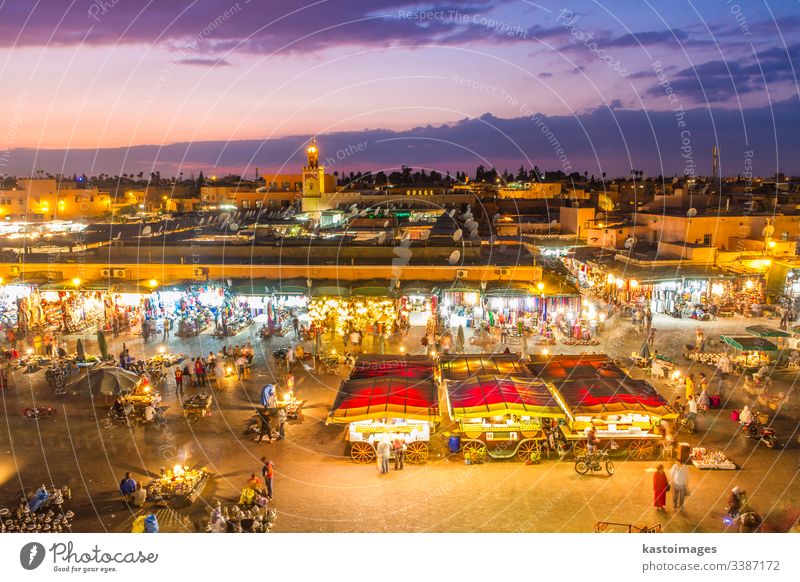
(594, 462)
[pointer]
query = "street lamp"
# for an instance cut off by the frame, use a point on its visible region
(76, 281)
(152, 283)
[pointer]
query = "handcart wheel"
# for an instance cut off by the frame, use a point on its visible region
(641, 449)
(417, 453)
(473, 447)
(362, 452)
(579, 448)
(526, 448)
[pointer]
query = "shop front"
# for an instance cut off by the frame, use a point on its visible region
(417, 303)
(461, 306)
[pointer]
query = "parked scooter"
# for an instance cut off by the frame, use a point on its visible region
(763, 434)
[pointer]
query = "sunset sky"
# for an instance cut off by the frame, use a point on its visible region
(83, 75)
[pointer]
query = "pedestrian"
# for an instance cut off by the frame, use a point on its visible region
(689, 383)
(240, 363)
(702, 383)
(167, 325)
(187, 375)
(289, 358)
(651, 336)
(281, 423)
(399, 447)
(191, 374)
(699, 338)
(296, 326)
(265, 428)
(127, 487)
(199, 371)
(679, 476)
(219, 372)
(179, 380)
(268, 472)
(255, 483)
(660, 488)
(139, 496)
(384, 452)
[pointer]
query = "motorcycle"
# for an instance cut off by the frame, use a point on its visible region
(763, 434)
(596, 462)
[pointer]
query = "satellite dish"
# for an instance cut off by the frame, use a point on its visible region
(496, 217)
(629, 242)
(354, 212)
(768, 231)
(425, 235)
(452, 213)
(233, 226)
(454, 257)
(691, 212)
(554, 223)
(353, 206)
(381, 238)
(146, 231)
(363, 212)
(385, 224)
(457, 235)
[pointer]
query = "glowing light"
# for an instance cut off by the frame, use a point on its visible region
(634, 283)
(772, 244)
(717, 289)
(162, 349)
(540, 286)
(76, 281)
(545, 351)
(29, 351)
(402, 349)
(610, 278)
(749, 284)
(620, 283)
(152, 283)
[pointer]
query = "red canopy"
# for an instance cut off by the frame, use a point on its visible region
(413, 367)
(462, 367)
(385, 397)
(599, 396)
(494, 395)
(574, 367)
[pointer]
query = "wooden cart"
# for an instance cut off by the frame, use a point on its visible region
(502, 417)
(388, 397)
(594, 390)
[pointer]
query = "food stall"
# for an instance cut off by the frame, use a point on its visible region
(705, 459)
(502, 416)
(752, 352)
(388, 401)
(595, 391)
(179, 486)
(774, 333)
(465, 366)
(196, 407)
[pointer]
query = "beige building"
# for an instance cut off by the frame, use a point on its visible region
(37, 199)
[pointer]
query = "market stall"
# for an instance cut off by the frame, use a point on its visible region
(461, 305)
(765, 331)
(466, 366)
(705, 459)
(751, 352)
(594, 391)
(417, 303)
(388, 406)
(502, 416)
(179, 486)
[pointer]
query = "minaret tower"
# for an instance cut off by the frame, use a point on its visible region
(313, 179)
